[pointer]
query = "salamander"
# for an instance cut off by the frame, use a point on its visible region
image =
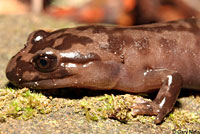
(161, 57)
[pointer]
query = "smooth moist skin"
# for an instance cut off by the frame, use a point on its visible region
(161, 57)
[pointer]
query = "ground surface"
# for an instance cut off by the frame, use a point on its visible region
(13, 34)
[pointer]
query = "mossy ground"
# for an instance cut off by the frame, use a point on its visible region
(22, 104)
(25, 104)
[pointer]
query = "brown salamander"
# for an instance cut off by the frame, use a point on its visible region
(161, 57)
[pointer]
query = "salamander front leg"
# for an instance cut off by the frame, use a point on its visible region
(165, 99)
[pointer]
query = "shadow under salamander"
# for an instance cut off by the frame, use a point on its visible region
(71, 93)
(78, 93)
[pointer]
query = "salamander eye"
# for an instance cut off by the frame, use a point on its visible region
(45, 63)
(37, 36)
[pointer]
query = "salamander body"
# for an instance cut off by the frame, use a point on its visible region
(161, 57)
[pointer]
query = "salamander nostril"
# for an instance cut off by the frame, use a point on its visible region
(12, 77)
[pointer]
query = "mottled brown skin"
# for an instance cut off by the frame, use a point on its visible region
(146, 58)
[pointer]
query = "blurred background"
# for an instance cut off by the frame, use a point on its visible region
(121, 12)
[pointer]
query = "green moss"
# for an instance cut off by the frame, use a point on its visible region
(23, 104)
(181, 117)
(95, 108)
(108, 106)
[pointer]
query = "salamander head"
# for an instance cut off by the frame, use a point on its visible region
(49, 59)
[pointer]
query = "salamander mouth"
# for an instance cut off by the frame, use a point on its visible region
(45, 84)
(42, 84)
